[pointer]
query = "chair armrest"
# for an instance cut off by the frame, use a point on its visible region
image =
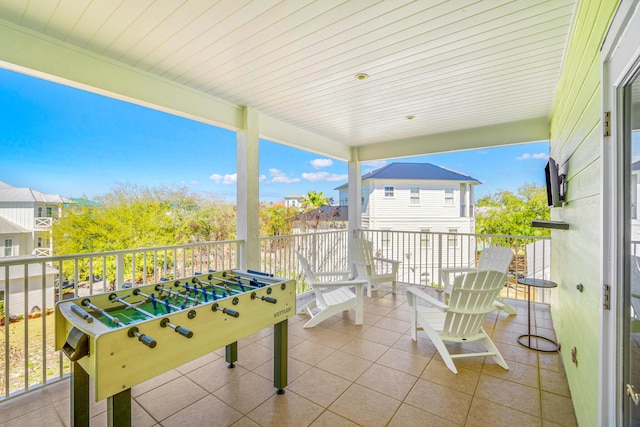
(359, 262)
(339, 284)
(391, 261)
(449, 270)
(343, 274)
(421, 295)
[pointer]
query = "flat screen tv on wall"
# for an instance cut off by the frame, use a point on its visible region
(554, 183)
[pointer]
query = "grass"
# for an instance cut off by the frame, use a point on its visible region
(27, 363)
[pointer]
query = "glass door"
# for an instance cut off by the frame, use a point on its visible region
(631, 138)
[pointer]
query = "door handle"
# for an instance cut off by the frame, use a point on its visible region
(633, 394)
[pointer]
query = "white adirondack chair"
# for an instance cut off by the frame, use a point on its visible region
(459, 321)
(333, 294)
(497, 258)
(375, 270)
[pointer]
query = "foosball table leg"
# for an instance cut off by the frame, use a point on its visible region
(79, 396)
(231, 354)
(119, 409)
(280, 352)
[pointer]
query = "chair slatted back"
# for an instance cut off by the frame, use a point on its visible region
(311, 280)
(362, 250)
(472, 298)
(496, 258)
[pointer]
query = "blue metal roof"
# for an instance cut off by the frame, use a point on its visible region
(423, 171)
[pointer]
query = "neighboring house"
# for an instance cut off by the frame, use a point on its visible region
(26, 218)
(416, 197)
(322, 218)
(23, 303)
(293, 200)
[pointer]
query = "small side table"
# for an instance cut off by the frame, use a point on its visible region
(525, 340)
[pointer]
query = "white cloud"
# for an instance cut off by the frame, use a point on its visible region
(321, 163)
(226, 179)
(324, 176)
(529, 156)
(280, 177)
(263, 178)
(375, 164)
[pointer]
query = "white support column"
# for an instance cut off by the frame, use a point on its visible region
(248, 199)
(355, 192)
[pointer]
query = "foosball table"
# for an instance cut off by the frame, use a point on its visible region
(123, 338)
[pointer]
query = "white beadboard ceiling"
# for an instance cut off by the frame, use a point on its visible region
(472, 73)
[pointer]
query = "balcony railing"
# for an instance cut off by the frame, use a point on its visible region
(43, 222)
(27, 330)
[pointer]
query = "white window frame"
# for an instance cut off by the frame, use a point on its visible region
(452, 241)
(449, 201)
(425, 238)
(389, 191)
(414, 196)
(7, 248)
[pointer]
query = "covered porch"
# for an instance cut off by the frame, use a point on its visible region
(346, 375)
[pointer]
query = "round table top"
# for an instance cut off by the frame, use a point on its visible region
(538, 283)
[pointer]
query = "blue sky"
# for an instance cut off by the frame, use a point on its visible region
(57, 139)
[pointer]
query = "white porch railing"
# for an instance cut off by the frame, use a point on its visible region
(43, 222)
(28, 358)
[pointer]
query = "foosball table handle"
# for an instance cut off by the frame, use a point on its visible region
(144, 339)
(263, 298)
(227, 311)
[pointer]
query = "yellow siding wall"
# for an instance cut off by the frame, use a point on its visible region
(576, 145)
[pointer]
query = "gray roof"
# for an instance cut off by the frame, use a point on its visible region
(10, 227)
(416, 171)
(324, 213)
(9, 193)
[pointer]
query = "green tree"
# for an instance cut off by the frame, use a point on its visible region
(314, 200)
(137, 217)
(507, 213)
(276, 220)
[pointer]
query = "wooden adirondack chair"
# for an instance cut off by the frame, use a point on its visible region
(459, 321)
(375, 270)
(496, 258)
(333, 294)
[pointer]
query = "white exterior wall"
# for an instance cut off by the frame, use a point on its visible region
(20, 213)
(397, 213)
(33, 295)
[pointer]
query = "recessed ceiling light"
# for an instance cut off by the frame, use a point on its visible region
(411, 117)
(361, 76)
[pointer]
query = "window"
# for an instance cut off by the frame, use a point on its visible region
(49, 212)
(452, 239)
(8, 247)
(448, 196)
(414, 194)
(40, 212)
(386, 239)
(425, 238)
(388, 191)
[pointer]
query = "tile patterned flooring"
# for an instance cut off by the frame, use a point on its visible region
(343, 375)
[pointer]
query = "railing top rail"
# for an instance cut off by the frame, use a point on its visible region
(490, 236)
(21, 261)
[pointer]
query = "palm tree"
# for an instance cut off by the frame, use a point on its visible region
(314, 200)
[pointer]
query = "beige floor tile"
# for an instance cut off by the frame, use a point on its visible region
(377, 310)
(518, 373)
(381, 335)
(554, 382)
(558, 409)
(331, 338)
(154, 382)
(216, 374)
(365, 407)
(246, 393)
(204, 413)
(170, 398)
(318, 386)
(518, 353)
(412, 364)
(485, 413)
(348, 326)
(310, 352)
(295, 369)
(292, 340)
(345, 365)
(329, 419)
(422, 346)
(400, 314)
(196, 363)
(253, 355)
(364, 348)
(409, 416)
(510, 394)
(286, 410)
(442, 401)
(552, 361)
(395, 325)
(44, 416)
(389, 381)
(245, 422)
(465, 381)
(26, 403)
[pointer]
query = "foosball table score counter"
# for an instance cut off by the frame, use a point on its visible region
(123, 338)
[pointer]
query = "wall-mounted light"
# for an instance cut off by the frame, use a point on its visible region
(362, 76)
